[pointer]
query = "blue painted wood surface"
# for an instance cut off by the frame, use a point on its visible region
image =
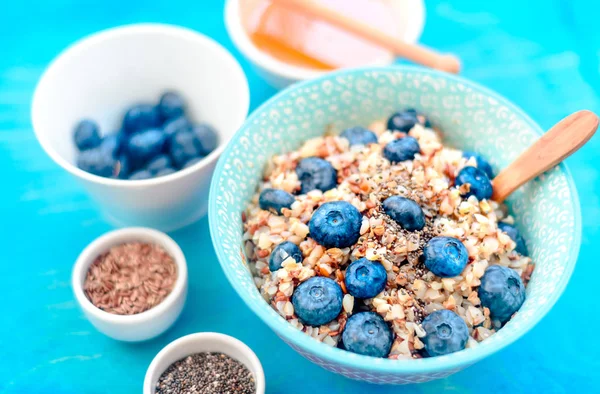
(544, 56)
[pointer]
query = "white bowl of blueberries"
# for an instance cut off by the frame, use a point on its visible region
(154, 140)
(139, 114)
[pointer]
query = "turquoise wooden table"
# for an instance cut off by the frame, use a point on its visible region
(543, 56)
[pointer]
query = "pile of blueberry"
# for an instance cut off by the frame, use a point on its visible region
(336, 224)
(154, 140)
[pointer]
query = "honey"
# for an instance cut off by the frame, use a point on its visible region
(305, 42)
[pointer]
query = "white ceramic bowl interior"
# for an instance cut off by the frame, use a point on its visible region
(411, 20)
(145, 325)
(199, 343)
(102, 75)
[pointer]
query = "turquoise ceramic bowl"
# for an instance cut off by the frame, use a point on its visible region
(473, 118)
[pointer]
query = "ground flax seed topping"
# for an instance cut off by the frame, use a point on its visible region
(365, 179)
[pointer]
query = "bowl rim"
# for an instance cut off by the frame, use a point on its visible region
(335, 356)
(116, 237)
(296, 73)
(90, 40)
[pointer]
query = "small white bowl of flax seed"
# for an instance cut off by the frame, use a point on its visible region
(131, 283)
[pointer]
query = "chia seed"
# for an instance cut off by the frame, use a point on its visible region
(206, 373)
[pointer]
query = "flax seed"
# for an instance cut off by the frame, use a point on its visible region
(130, 278)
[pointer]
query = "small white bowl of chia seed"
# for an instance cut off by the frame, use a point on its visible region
(204, 360)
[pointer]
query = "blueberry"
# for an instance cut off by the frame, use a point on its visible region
(335, 224)
(141, 117)
(359, 136)
(516, 236)
(368, 334)
(480, 185)
(275, 199)
(402, 121)
(407, 213)
(316, 173)
(207, 138)
(422, 119)
(502, 291)
(183, 148)
(317, 301)
(191, 162)
(139, 175)
(145, 145)
(445, 333)
(282, 252)
(365, 278)
(445, 256)
(112, 144)
(86, 135)
(173, 126)
(401, 149)
(170, 105)
(159, 163)
(164, 171)
(97, 162)
(482, 163)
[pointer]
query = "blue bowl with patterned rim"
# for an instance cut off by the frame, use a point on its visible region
(472, 118)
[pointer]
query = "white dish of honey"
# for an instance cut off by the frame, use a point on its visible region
(286, 47)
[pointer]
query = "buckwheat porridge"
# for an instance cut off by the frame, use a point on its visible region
(383, 242)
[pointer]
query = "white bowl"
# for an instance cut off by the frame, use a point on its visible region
(203, 342)
(410, 14)
(141, 326)
(102, 75)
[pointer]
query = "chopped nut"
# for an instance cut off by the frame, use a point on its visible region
(348, 303)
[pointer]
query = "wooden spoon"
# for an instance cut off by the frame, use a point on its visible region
(413, 52)
(562, 140)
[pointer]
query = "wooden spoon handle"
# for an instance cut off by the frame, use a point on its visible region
(562, 140)
(413, 52)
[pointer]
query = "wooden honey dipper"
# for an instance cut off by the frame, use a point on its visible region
(413, 52)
